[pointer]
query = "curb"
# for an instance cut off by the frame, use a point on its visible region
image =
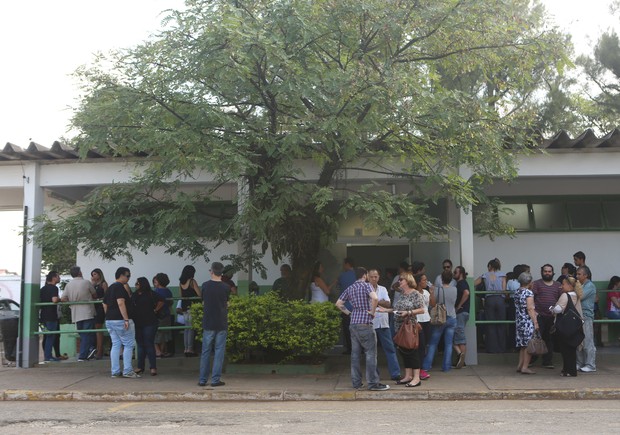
(284, 396)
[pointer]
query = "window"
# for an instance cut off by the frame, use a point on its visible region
(559, 214)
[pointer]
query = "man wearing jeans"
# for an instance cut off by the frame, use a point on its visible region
(117, 306)
(382, 325)
(586, 358)
(364, 302)
(215, 295)
(83, 315)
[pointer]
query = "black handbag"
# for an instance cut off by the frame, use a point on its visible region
(569, 324)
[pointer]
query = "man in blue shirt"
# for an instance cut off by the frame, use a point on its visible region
(364, 301)
(586, 358)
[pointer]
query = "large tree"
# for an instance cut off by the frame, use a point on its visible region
(602, 70)
(245, 89)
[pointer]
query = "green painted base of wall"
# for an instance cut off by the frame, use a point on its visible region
(277, 369)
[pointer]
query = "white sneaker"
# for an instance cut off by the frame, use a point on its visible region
(586, 369)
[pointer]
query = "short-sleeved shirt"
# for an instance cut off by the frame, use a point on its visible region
(461, 286)
(48, 313)
(117, 291)
(493, 284)
(215, 295)
(610, 305)
(165, 294)
(357, 294)
(545, 296)
(144, 304)
(381, 320)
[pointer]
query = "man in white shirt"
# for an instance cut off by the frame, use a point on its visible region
(382, 327)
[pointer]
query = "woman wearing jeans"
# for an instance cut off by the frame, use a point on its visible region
(146, 303)
(189, 289)
(446, 294)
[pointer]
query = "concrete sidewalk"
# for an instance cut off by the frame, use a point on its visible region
(494, 378)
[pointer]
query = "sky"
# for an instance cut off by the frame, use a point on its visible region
(42, 42)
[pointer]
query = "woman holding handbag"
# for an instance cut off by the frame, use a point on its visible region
(568, 345)
(406, 308)
(526, 321)
(446, 295)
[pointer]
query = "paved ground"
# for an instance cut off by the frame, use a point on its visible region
(493, 378)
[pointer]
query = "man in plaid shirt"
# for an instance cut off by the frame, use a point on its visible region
(364, 300)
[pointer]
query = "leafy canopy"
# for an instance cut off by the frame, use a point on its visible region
(407, 91)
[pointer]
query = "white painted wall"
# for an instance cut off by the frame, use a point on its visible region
(156, 261)
(537, 249)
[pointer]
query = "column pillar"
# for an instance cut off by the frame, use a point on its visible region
(28, 342)
(466, 239)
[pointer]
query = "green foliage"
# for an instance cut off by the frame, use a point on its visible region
(603, 72)
(270, 329)
(399, 91)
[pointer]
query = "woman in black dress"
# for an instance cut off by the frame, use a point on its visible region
(146, 303)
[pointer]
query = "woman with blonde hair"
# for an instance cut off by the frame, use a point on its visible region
(572, 288)
(408, 306)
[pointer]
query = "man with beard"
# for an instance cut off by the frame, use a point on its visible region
(546, 293)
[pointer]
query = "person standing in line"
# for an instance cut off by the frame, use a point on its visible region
(215, 296)
(189, 289)
(346, 279)
(571, 288)
(526, 321)
(444, 294)
(101, 286)
(146, 303)
(160, 283)
(445, 265)
(424, 319)
(83, 315)
(49, 314)
(283, 284)
(363, 338)
(494, 306)
(118, 320)
(613, 298)
(586, 358)
(382, 327)
(546, 291)
(462, 315)
(319, 289)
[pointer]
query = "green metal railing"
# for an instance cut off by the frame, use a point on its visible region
(162, 328)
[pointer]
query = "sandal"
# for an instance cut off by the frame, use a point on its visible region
(413, 385)
(138, 371)
(403, 381)
(153, 372)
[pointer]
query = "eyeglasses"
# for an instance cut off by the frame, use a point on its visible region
(128, 276)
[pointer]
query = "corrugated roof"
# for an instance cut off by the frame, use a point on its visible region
(59, 151)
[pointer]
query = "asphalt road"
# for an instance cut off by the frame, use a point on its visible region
(521, 416)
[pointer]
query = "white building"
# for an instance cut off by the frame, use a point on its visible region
(566, 199)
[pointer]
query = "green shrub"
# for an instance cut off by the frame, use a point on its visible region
(268, 329)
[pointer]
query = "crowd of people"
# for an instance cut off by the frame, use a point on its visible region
(133, 318)
(518, 307)
(373, 309)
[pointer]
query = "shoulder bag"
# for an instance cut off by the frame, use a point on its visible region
(536, 345)
(438, 313)
(408, 335)
(569, 324)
